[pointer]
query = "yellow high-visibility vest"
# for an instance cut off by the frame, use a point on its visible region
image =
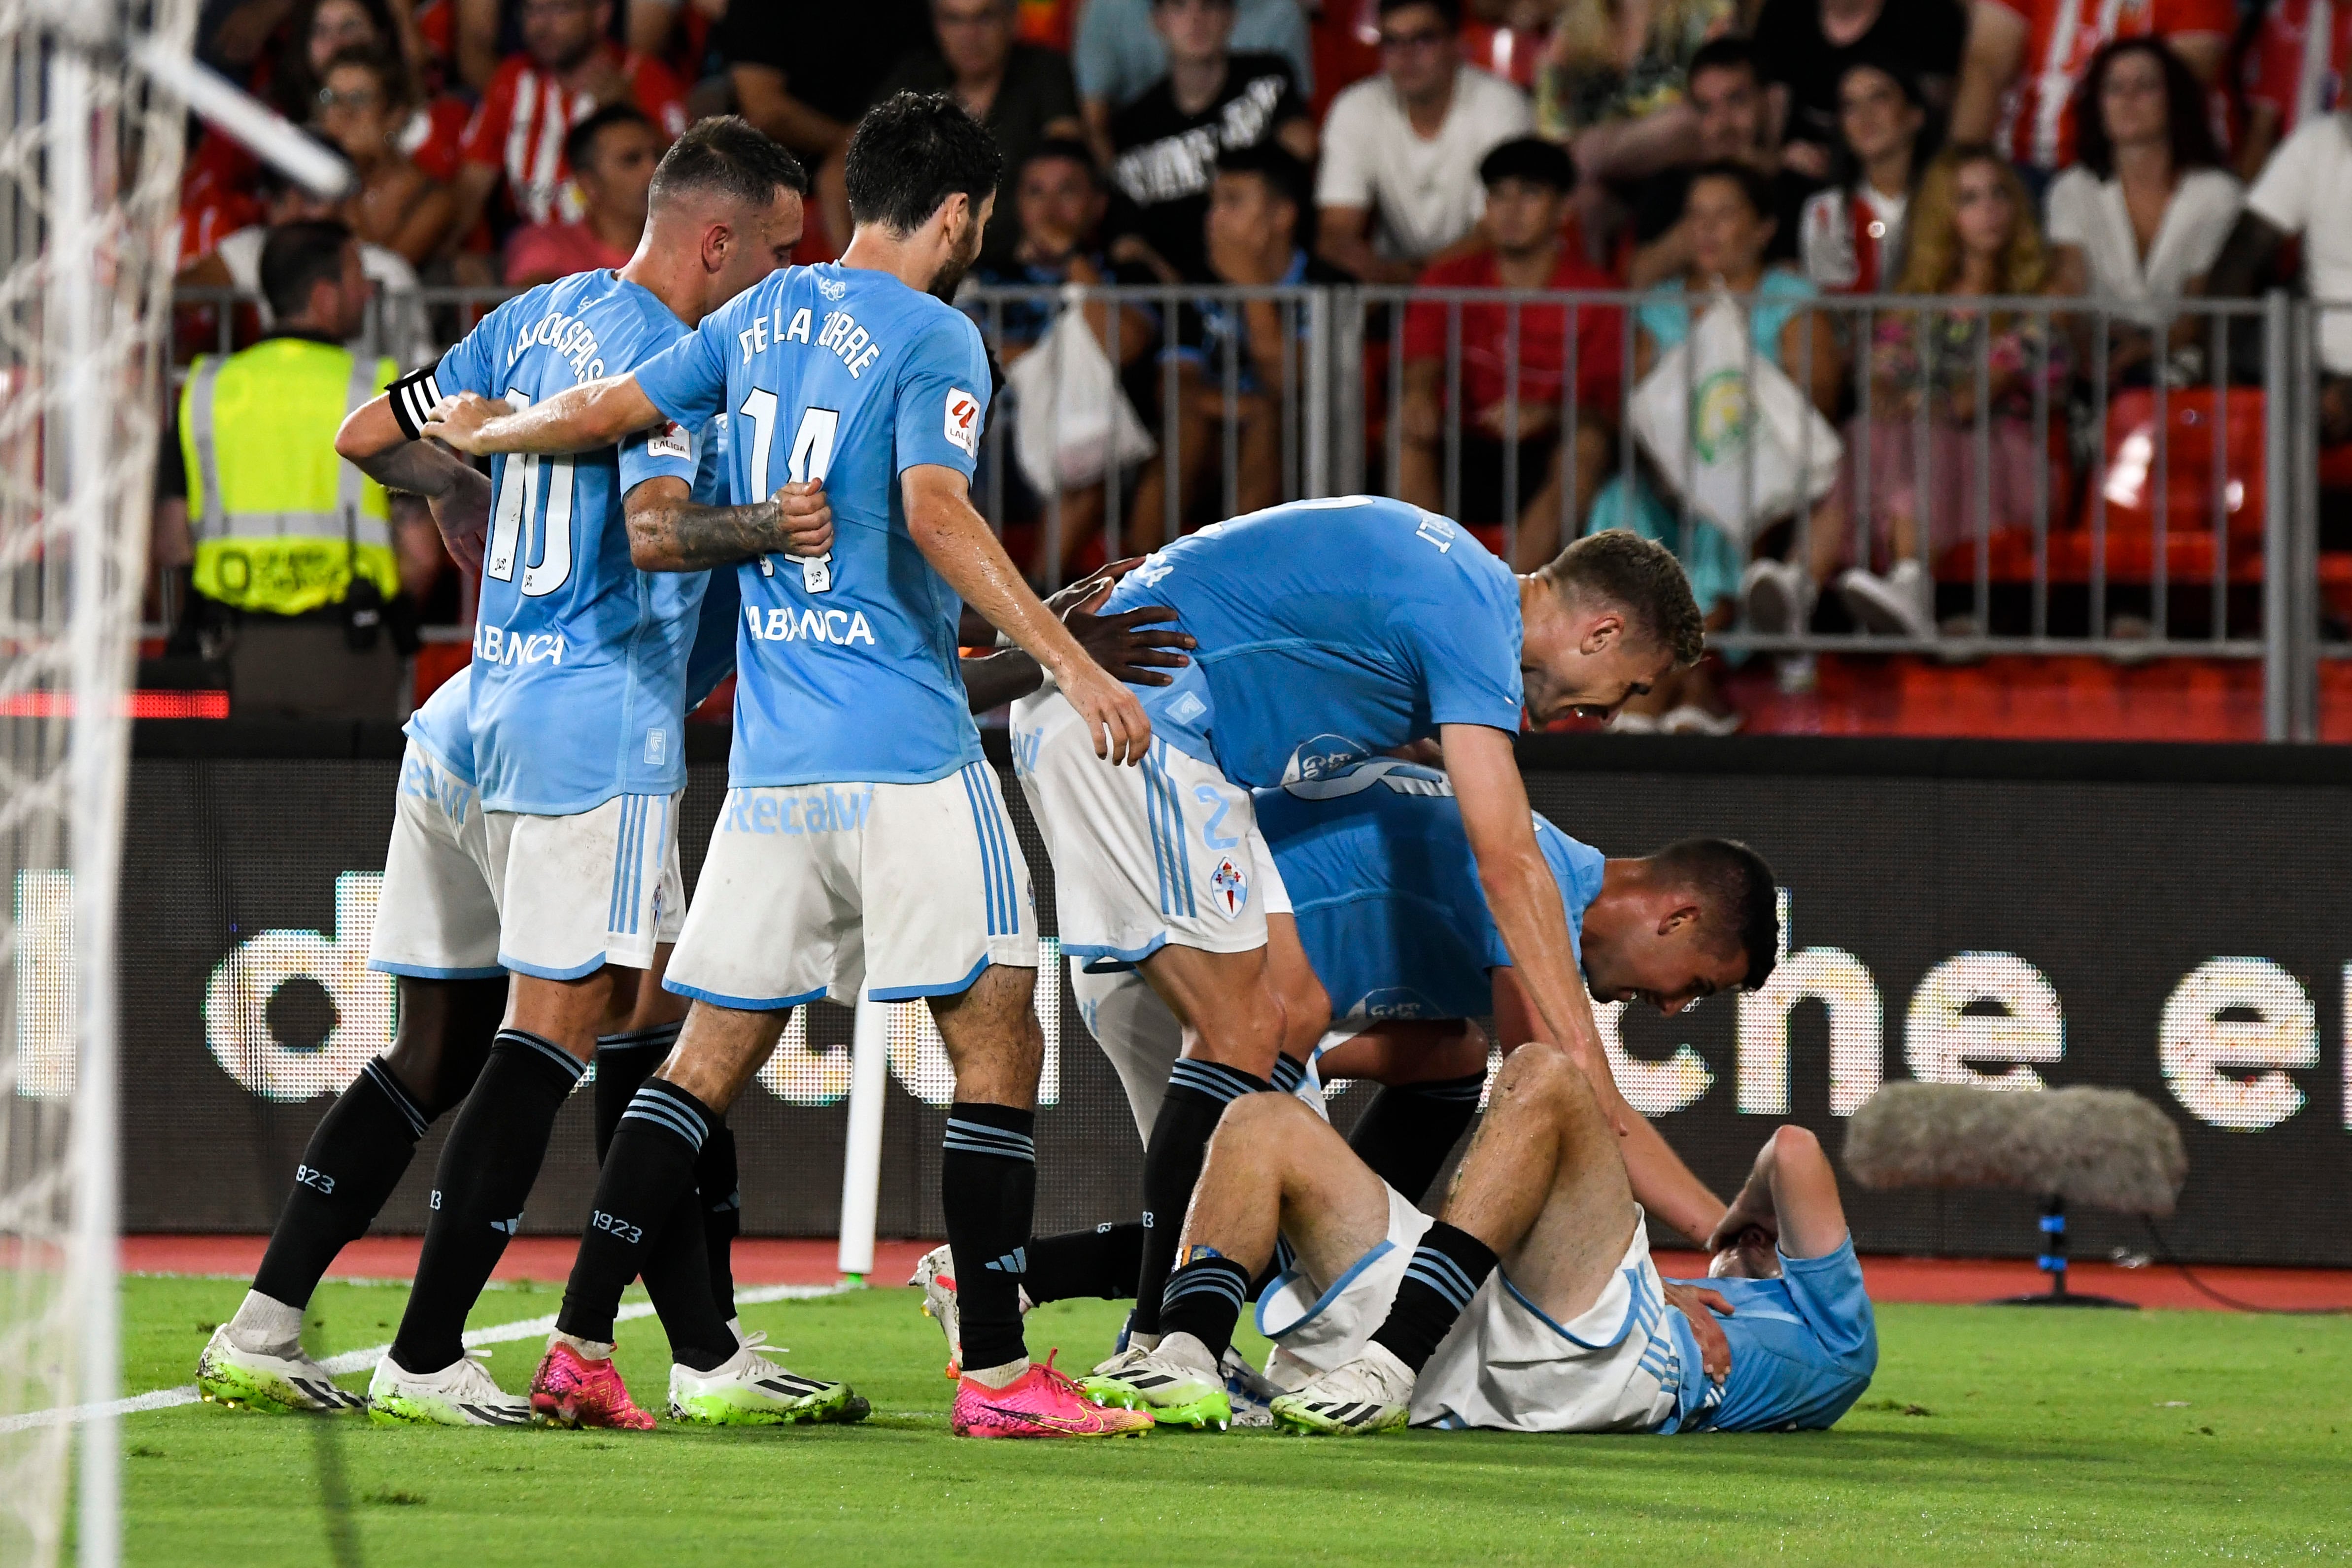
(281, 524)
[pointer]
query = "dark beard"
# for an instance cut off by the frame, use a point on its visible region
(949, 278)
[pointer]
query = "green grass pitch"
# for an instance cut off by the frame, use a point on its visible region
(1992, 1435)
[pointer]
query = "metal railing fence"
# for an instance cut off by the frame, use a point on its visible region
(2069, 476)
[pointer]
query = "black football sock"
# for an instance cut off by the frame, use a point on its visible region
(649, 1169)
(356, 1156)
(1198, 1093)
(677, 1278)
(721, 1207)
(1100, 1261)
(1204, 1299)
(624, 1062)
(988, 1193)
(1447, 1270)
(487, 1167)
(1406, 1132)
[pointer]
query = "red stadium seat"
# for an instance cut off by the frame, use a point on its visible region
(2191, 418)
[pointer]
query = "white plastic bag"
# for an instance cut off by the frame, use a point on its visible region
(1738, 435)
(1074, 423)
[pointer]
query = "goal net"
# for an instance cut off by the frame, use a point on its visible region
(90, 171)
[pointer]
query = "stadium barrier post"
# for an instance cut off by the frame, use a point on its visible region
(2278, 521)
(861, 1163)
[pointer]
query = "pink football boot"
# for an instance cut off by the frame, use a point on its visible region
(570, 1390)
(1040, 1403)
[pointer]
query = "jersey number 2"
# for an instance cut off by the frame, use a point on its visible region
(517, 484)
(811, 459)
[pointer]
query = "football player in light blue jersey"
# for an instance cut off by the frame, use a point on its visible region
(1531, 1303)
(1327, 631)
(577, 689)
(864, 845)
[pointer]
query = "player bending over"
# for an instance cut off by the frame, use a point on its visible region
(864, 843)
(1327, 631)
(1392, 918)
(1531, 1304)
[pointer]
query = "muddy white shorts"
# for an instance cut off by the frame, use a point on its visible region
(1616, 1367)
(435, 919)
(814, 890)
(578, 892)
(1165, 852)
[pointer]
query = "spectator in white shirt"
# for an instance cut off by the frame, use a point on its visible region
(2307, 189)
(1850, 237)
(1400, 150)
(2146, 206)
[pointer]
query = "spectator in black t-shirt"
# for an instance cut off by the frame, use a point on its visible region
(1253, 238)
(1804, 47)
(1167, 143)
(1023, 93)
(1734, 127)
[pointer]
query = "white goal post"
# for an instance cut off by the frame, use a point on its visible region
(94, 99)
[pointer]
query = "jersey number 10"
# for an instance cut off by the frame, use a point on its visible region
(517, 484)
(811, 459)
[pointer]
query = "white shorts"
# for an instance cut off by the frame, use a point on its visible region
(816, 890)
(1166, 852)
(436, 918)
(576, 893)
(1505, 1365)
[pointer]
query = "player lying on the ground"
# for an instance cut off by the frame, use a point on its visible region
(1531, 1304)
(436, 932)
(864, 843)
(1389, 912)
(1327, 631)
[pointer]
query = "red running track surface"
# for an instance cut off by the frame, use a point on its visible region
(769, 1261)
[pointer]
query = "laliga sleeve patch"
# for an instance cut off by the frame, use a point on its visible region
(963, 420)
(672, 442)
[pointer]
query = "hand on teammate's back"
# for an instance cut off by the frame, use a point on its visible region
(807, 517)
(1131, 644)
(1694, 1303)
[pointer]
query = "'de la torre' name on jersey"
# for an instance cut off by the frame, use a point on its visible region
(845, 662)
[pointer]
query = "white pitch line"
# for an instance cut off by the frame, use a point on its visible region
(361, 1360)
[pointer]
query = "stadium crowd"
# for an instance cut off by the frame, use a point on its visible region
(1787, 149)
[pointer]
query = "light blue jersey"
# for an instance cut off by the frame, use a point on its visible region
(847, 665)
(443, 725)
(1803, 1348)
(1386, 891)
(1328, 631)
(578, 658)
(442, 729)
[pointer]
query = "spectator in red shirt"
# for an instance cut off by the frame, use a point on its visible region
(611, 153)
(567, 72)
(2292, 73)
(1528, 181)
(2026, 58)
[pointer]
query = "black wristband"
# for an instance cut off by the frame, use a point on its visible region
(412, 397)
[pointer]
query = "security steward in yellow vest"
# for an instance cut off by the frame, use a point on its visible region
(296, 580)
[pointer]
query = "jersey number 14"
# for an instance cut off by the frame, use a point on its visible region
(811, 459)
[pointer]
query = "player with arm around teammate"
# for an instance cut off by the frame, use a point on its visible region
(1327, 631)
(1531, 1303)
(864, 845)
(574, 708)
